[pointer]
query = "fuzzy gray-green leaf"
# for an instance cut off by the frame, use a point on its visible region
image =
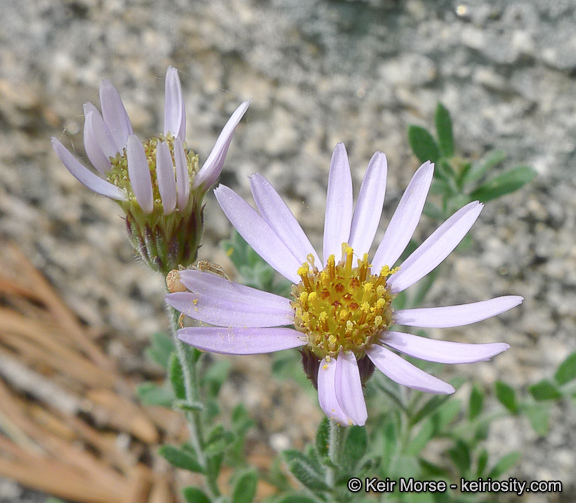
(423, 144)
(444, 130)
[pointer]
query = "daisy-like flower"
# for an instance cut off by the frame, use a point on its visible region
(341, 307)
(158, 182)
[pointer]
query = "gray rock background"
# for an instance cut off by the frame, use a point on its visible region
(319, 72)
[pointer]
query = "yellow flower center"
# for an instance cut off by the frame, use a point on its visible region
(342, 308)
(118, 175)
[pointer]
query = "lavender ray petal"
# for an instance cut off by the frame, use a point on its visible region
(399, 370)
(241, 341)
(259, 235)
(227, 313)
(369, 205)
(436, 248)
(165, 174)
(349, 388)
(139, 174)
(339, 203)
(209, 284)
(97, 157)
(212, 168)
(456, 316)
(279, 217)
(85, 176)
(174, 110)
(405, 218)
(115, 115)
(327, 392)
(442, 351)
(182, 175)
(99, 134)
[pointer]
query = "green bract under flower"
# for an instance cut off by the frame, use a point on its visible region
(342, 308)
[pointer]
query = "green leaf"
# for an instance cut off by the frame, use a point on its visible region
(188, 407)
(423, 144)
(305, 470)
(181, 458)
(218, 440)
(390, 436)
(545, 390)
(312, 455)
(177, 377)
(216, 376)
(432, 211)
(194, 495)
(406, 466)
(444, 171)
(506, 462)
(323, 438)
(423, 497)
(433, 470)
(160, 349)
(475, 404)
(447, 413)
(482, 462)
(539, 417)
(460, 455)
(245, 487)
(440, 187)
(567, 370)
(429, 407)
(425, 433)
(295, 498)
(158, 396)
(506, 396)
(506, 183)
(214, 464)
(444, 131)
(355, 446)
(277, 476)
(482, 430)
(241, 421)
(479, 169)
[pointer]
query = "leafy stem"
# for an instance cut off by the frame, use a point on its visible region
(189, 366)
(337, 433)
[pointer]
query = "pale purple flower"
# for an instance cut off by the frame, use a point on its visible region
(340, 313)
(110, 145)
(157, 182)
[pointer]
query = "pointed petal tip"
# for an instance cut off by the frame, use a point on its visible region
(174, 110)
(245, 104)
(212, 167)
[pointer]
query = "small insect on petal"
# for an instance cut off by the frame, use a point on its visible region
(173, 283)
(206, 266)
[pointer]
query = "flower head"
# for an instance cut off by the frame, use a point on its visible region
(158, 182)
(341, 307)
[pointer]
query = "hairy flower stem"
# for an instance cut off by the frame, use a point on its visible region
(335, 451)
(189, 364)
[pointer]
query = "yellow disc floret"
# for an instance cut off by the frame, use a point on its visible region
(342, 308)
(118, 175)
